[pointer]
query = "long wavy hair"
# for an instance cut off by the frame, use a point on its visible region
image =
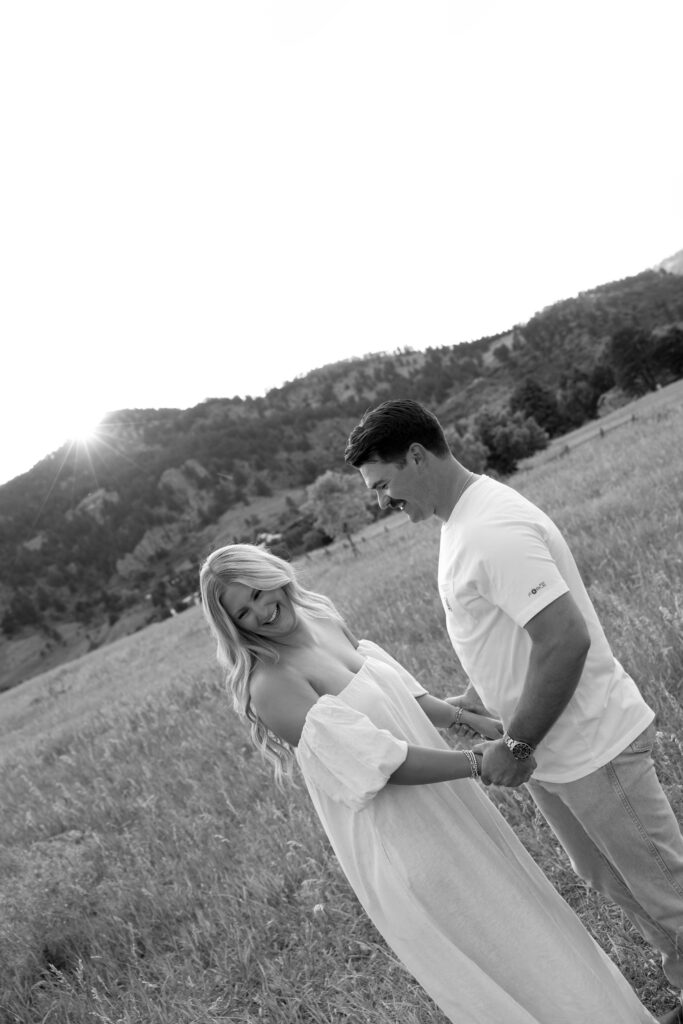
(239, 650)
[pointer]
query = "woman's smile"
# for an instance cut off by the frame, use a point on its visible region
(271, 619)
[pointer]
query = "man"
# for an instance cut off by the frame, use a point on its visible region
(577, 730)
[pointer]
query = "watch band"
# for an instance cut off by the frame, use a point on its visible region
(518, 748)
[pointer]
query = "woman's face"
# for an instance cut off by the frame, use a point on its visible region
(267, 613)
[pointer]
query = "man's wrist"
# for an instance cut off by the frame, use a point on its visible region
(519, 749)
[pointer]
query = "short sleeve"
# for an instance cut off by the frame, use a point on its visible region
(518, 572)
(375, 651)
(344, 755)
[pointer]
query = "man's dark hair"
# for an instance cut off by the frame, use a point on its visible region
(386, 433)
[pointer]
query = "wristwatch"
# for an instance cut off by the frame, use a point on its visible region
(517, 748)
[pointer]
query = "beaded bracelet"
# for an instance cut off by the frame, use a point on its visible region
(474, 767)
(458, 718)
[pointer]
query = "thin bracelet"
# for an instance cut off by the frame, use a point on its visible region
(474, 767)
(458, 717)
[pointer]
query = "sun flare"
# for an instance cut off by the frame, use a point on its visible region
(83, 428)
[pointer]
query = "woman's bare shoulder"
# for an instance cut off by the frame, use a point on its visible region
(272, 677)
(281, 697)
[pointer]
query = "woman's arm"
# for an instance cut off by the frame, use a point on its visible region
(470, 700)
(445, 715)
(424, 765)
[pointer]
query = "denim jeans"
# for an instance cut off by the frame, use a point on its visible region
(623, 839)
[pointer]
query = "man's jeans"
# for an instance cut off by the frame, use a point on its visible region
(622, 837)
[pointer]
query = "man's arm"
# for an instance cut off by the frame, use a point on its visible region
(559, 645)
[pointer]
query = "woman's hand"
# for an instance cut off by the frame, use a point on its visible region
(470, 701)
(481, 725)
(469, 723)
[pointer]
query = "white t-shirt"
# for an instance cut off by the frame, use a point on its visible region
(502, 560)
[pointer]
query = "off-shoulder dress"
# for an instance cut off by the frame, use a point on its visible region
(440, 873)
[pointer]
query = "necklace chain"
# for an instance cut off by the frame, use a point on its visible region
(467, 480)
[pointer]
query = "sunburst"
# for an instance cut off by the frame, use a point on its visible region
(83, 429)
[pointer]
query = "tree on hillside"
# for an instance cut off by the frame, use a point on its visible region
(509, 438)
(21, 612)
(667, 353)
(631, 355)
(338, 504)
(534, 399)
(579, 394)
(502, 354)
(468, 448)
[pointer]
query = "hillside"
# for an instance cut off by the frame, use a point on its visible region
(674, 264)
(140, 881)
(97, 541)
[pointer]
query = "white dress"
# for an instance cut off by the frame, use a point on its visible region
(441, 874)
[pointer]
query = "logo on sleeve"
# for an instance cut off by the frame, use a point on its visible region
(536, 589)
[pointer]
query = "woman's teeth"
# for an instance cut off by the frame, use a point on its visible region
(273, 617)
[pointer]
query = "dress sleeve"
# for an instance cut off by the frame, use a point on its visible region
(344, 755)
(375, 651)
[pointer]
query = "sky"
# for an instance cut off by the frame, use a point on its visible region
(206, 198)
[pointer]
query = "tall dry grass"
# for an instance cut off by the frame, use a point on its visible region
(152, 872)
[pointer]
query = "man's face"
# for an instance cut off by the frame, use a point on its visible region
(400, 486)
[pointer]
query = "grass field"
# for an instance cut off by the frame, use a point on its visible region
(151, 872)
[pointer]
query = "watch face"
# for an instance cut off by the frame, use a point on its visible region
(518, 749)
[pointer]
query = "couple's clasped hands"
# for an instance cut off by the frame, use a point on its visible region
(499, 767)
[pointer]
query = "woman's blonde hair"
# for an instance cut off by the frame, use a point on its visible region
(239, 650)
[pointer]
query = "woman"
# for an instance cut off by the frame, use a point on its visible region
(436, 867)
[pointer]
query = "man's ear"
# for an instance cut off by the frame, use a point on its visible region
(416, 453)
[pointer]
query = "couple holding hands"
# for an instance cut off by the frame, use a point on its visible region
(435, 866)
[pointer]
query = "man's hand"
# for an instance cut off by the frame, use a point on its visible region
(500, 768)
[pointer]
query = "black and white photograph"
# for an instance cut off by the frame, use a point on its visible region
(341, 512)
